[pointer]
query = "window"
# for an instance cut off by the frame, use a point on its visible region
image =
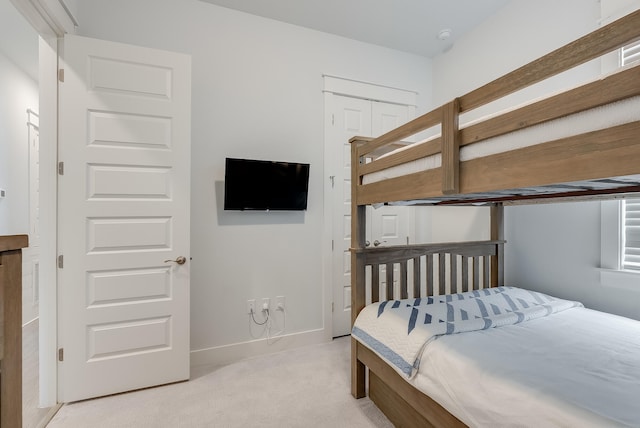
(620, 222)
(620, 244)
(630, 235)
(630, 54)
(629, 225)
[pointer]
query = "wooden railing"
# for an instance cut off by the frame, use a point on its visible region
(414, 271)
(447, 179)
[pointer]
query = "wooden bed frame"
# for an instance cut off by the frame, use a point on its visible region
(422, 269)
(611, 152)
(11, 329)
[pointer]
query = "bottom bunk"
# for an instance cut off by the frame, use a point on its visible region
(424, 323)
(401, 402)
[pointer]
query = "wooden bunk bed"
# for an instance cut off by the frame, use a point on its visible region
(596, 163)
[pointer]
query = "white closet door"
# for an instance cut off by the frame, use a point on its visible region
(386, 225)
(123, 217)
(352, 116)
(389, 224)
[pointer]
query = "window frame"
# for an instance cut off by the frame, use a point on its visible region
(630, 54)
(612, 273)
(611, 250)
(631, 265)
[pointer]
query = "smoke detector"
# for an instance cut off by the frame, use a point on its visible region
(444, 34)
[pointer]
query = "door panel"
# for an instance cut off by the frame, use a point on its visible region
(386, 225)
(123, 218)
(352, 116)
(386, 117)
(389, 224)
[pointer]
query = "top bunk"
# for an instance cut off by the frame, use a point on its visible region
(584, 142)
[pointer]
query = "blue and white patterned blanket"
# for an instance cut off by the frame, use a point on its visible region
(398, 330)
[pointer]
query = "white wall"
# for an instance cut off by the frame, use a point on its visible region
(556, 249)
(19, 92)
(257, 93)
(519, 33)
(553, 248)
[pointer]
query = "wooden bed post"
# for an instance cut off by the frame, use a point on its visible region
(358, 222)
(451, 148)
(497, 234)
(358, 389)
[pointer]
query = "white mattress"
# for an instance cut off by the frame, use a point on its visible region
(598, 118)
(576, 368)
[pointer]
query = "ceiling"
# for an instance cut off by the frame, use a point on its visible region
(405, 25)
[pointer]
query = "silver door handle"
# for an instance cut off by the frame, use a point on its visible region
(180, 260)
(376, 243)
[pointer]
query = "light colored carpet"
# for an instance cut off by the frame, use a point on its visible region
(305, 387)
(32, 415)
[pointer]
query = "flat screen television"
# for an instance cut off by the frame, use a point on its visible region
(264, 185)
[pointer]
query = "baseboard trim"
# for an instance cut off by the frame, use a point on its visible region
(30, 322)
(49, 416)
(227, 354)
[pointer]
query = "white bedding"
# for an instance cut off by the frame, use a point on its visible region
(575, 368)
(399, 330)
(598, 118)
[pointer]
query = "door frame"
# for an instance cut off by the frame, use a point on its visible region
(332, 86)
(51, 19)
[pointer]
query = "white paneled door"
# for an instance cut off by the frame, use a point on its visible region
(389, 224)
(123, 210)
(351, 117)
(385, 225)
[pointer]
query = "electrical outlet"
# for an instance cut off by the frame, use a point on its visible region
(251, 306)
(266, 302)
(279, 303)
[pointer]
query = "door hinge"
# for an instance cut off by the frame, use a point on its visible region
(61, 354)
(61, 168)
(333, 119)
(332, 305)
(61, 75)
(332, 245)
(333, 180)
(60, 261)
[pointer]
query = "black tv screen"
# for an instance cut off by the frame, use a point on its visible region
(265, 185)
